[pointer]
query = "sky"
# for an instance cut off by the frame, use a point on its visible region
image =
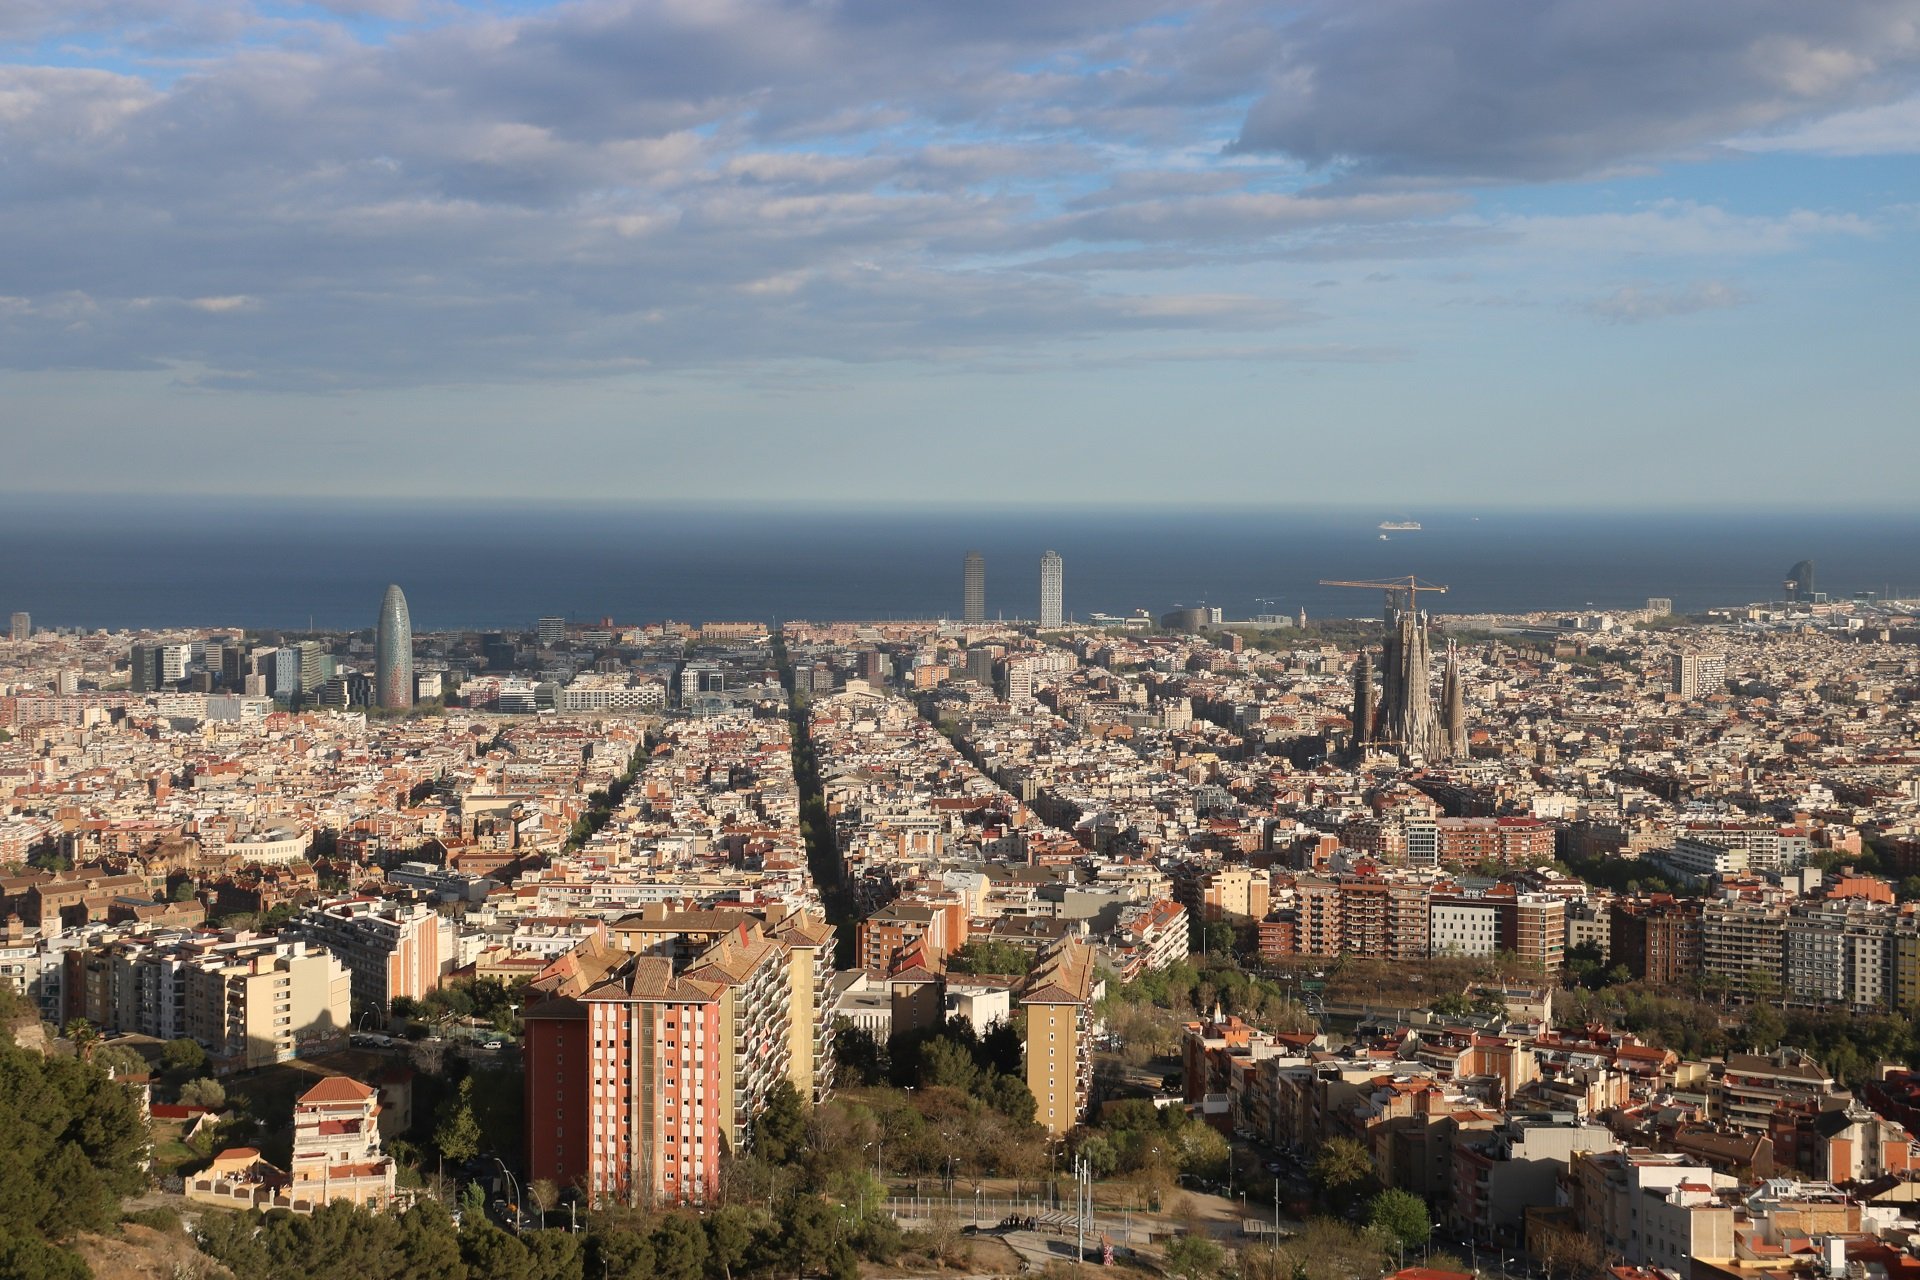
(1400, 253)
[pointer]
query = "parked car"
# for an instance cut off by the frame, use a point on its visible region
(494, 1044)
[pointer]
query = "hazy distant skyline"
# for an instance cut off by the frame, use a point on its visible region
(1388, 251)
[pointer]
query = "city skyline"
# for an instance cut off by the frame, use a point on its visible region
(666, 234)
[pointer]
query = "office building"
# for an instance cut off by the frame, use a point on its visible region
(143, 663)
(1696, 675)
(974, 610)
(550, 631)
(311, 658)
(393, 650)
(282, 670)
(22, 627)
(1053, 572)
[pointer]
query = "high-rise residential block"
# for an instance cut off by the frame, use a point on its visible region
(174, 660)
(648, 1056)
(393, 651)
(22, 626)
(1696, 675)
(1058, 997)
(1053, 572)
(550, 631)
(391, 949)
(974, 604)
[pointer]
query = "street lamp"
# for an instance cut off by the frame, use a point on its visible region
(513, 1192)
(976, 1206)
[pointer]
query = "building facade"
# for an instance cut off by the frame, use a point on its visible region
(393, 651)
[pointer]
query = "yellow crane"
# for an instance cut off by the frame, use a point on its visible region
(1409, 587)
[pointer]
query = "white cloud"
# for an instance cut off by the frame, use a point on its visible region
(1892, 128)
(1638, 303)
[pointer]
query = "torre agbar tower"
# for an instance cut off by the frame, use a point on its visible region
(393, 650)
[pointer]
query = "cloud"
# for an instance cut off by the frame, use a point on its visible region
(1496, 90)
(1638, 303)
(672, 184)
(1892, 128)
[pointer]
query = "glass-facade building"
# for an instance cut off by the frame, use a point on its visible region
(393, 648)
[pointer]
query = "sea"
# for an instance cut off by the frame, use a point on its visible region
(289, 564)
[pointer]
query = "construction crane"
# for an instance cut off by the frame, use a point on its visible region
(1408, 587)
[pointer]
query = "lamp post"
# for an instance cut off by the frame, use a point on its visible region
(513, 1192)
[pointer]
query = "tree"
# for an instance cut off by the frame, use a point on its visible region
(679, 1248)
(620, 1253)
(27, 1258)
(1010, 1096)
(1563, 1252)
(203, 1092)
(1400, 1214)
(457, 1134)
(1342, 1164)
(946, 1063)
(1194, 1257)
(119, 1060)
(83, 1035)
(489, 1251)
(544, 1194)
(780, 1130)
(1764, 1027)
(72, 1144)
(183, 1055)
(733, 1236)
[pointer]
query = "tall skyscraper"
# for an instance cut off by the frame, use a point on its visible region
(22, 626)
(144, 668)
(551, 631)
(1799, 583)
(393, 649)
(1053, 572)
(975, 610)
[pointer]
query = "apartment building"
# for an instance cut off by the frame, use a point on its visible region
(1742, 943)
(1158, 929)
(336, 1146)
(1657, 938)
(644, 1066)
(1513, 841)
(1058, 996)
(894, 931)
(1612, 1193)
(392, 949)
(250, 1001)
